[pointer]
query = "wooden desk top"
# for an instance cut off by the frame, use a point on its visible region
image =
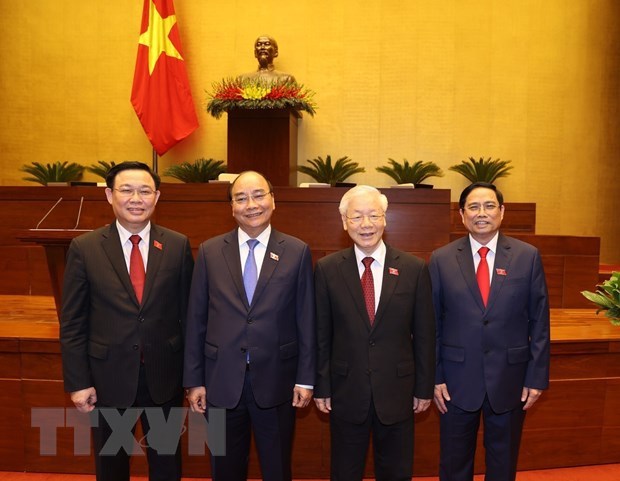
(570, 325)
(28, 318)
(34, 317)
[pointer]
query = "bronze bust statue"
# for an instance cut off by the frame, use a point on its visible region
(265, 50)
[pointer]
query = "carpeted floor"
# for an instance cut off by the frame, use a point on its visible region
(603, 472)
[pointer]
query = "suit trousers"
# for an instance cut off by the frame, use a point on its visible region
(162, 467)
(273, 434)
(458, 437)
(392, 448)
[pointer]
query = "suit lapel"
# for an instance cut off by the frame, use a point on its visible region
(230, 252)
(468, 271)
(390, 279)
(111, 244)
(350, 273)
(273, 255)
(503, 256)
(156, 253)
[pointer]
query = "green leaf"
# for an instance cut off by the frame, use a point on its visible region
(483, 170)
(415, 174)
(101, 168)
(201, 170)
(322, 170)
(56, 172)
(607, 298)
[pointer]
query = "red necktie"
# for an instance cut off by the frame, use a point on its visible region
(368, 287)
(482, 275)
(136, 267)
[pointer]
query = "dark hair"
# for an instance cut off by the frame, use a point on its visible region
(232, 184)
(130, 165)
(476, 185)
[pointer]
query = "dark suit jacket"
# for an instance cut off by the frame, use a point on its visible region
(496, 350)
(278, 328)
(103, 328)
(390, 362)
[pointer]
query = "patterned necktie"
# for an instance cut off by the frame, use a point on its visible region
(482, 275)
(136, 267)
(250, 272)
(368, 287)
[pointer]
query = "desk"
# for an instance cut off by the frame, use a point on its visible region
(576, 422)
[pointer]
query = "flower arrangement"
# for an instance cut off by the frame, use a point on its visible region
(230, 94)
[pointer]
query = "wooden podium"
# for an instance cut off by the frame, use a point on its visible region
(264, 140)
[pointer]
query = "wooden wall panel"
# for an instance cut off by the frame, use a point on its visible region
(49, 394)
(11, 431)
(574, 422)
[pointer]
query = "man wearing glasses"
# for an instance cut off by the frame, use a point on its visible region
(376, 344)
(250, 345)
(492, 309)
(124, 307)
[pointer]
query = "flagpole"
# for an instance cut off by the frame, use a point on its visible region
(154, 160)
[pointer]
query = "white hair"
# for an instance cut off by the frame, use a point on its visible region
(361, 190)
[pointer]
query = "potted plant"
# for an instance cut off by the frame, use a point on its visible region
(483, 170)
(323, 171)
(62, 172)
(101, 168)
(201, 170)
(411, 174)
(607, 298)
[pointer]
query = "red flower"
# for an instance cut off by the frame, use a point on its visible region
(284, 91)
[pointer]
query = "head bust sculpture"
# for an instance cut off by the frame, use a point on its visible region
(265, 50)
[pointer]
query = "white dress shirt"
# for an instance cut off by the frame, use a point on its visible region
(492, 245)
(145, 235)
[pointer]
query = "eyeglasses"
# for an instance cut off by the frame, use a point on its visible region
(488, 207)
(244, 199)
(373, 218)
(143, 192)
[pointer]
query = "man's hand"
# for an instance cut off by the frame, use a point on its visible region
(529, 396)
(441, 396)
(420, 405)
(324, 404)
(301, 396)
(84, 399)
(197, 398)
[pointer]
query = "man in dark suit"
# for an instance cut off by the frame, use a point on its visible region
(251, 333)
(376, 344)
(121, 328)
(492, 312)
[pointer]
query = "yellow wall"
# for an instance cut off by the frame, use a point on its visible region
(535, 82)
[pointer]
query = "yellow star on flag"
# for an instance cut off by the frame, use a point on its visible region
(156, 37)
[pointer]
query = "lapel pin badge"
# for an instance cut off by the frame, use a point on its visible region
(274, 256)
(501, 272)
(393, 271)
(158, 245)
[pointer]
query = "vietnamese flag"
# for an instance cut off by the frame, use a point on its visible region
(160, 94)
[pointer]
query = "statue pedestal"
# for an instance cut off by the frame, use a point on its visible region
(264, 140)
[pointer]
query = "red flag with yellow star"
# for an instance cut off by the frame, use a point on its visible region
(160, 94)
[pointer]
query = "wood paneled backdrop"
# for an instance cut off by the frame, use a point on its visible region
(576, 421)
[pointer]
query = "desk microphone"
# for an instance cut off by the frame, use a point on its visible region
(50, 211)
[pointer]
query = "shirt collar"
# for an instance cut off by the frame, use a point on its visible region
(124, 234)
(492, 244)
(378, 254)
(262, 238)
